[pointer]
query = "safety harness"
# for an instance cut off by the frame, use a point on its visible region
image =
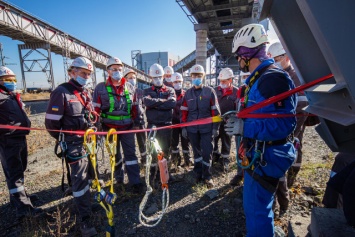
(152, 144)
(106, 200)
(112, 105)
(62, 155)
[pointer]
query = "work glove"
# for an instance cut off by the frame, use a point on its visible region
(184, 133)
(214, 133)
(234, 126)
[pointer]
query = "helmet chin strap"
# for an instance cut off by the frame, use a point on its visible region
(247, 61)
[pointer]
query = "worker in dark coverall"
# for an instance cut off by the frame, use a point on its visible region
(177, 81)
(13, 145)
(159, 100)
(114, 101)
(139, 121)
(277, 52)
(200, 102)
(227, 99)
(331, 198)
(70, 108)
(268, 141)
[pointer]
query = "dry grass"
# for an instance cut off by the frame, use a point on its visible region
(39, 96)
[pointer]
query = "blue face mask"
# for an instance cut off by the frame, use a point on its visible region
(82, 81)
(133, 82)
(117, 75)
(11, 86)
(197, 81)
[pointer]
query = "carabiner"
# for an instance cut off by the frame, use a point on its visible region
(90, 141)
(111, 145)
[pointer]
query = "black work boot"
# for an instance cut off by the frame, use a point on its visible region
(27, 211)
(87, 229)
(215, 158)
(225, 163)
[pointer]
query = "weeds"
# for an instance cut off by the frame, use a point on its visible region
(200, 189)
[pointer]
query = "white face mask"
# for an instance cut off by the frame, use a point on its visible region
(168, 79)
(158, 81)
(178, 86)
(279, 64)
(223, 86)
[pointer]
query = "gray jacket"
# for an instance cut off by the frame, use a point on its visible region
(66, 112)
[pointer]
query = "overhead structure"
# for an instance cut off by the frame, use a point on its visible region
(319, 42)
(20, 25)
(222, 19)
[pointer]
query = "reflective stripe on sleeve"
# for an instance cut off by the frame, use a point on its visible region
(213, 107)
(282, 179)
(16, 190)
(81, 192)
(53, 116)
(183, 108)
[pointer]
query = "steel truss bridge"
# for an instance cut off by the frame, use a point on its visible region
(37, 34)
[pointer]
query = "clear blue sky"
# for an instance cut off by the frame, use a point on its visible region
(113, 26)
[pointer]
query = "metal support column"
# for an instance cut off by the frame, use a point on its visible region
(46, 68)
(201, 43)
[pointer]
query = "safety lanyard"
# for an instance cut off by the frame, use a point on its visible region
(112, 99)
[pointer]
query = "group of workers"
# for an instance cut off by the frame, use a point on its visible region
(272, 145)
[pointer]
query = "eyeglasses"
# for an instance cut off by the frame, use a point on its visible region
(9, 80)
(116, 69)
(131, 78)
(279, 58)
(196, 75)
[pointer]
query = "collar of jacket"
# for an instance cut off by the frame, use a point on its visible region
(226, 91)
(76, 85)
(109, 81)
(162, 88)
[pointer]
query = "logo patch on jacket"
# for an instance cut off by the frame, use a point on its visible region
(55, 108)
(280, 104)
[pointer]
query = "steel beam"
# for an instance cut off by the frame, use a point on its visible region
(202, 8)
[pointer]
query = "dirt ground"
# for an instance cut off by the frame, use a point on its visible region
(190, 213)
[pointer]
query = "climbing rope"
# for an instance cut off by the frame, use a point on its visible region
(152, 144)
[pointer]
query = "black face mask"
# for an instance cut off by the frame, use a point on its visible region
(246, 65)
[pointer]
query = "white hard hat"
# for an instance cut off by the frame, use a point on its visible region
(82, 62)
(225, 74)
(249, 36)
(197, 69)
(168, 70)
(5, 71)
(244, 73)
(156, 70)
(275, 50)
(113, 61)
(128, 70)
(176, 77)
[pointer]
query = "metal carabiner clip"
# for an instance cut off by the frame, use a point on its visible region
(90, 141)
(111, 144)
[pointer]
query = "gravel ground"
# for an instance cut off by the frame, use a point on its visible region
(191, 211)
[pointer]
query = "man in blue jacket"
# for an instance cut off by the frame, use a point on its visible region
(268, 140)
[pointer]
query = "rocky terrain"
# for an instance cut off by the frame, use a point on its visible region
(192, 211)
